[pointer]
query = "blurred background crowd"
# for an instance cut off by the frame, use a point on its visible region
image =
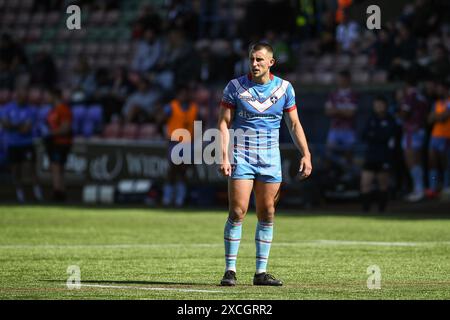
(130, 58)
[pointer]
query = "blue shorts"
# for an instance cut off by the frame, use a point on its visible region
(341, 138)
(413, 140)
(265, 167)
(439, 144)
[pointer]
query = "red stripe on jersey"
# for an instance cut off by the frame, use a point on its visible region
(290, 108)
(227, 105)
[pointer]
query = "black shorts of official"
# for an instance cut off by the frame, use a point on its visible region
(19, 154)
(377, 166)
(58, 153)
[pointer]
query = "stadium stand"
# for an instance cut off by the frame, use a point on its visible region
(110, 36)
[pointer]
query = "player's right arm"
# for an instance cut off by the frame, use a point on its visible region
(224, 124)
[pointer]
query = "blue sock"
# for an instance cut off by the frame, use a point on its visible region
(433, 176)
(417, 177)
(232, 238)
(263, 240)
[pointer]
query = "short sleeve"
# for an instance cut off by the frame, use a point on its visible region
(228, 98)
(290, 104)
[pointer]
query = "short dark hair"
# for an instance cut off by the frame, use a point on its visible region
(55, 92)
(261, 45)
(345, 74)
(381, 98)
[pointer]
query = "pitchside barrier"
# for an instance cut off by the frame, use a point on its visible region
(111, 171)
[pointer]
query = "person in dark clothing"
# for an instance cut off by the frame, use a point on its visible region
(379, 137)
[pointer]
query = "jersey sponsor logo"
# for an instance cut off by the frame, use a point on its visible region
(251, 115)
(246, 98)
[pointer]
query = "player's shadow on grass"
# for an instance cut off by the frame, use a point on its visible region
(130, 282)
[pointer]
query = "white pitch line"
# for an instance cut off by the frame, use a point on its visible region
(147, 288)
(217, 245)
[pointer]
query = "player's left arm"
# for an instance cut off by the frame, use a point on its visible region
(299, 138)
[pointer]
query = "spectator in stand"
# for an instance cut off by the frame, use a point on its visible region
(426, 17)
(347, 34)
(327, 34)
(439, 147)
(209, 65)
(83, 84)
(43, 70)
(281, 51)
(148, 18)
(413, 112)
(405, 46)
(18, 118)
(379, 137)
(383, 50)
(179, 63)
(148, 52)
(341, 108)
(180, 113)
(58, 141)
(141, 106)
(12, 55)
(439, 66)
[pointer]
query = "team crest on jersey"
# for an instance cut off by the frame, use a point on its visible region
(273, 99)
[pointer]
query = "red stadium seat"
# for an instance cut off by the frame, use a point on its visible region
(380, 77)
(148, 132)
(112, 130)
(130, 131)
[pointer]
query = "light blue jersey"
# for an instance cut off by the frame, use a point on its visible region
(258, 110)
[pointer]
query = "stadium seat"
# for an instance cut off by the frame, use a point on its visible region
(96, 17)
(342, 62)
(325, 63)
(324, 78)
(34, 34)
(306, 78)
(148, 131)
(130, 131)
(360, 77)
(92, 49)
(53, 17)
(379, 76)
(79, 113)
(5, 96)
(35, 96)
(23, 19)
(111, 17)
(93, 121)
(37, 19)
(112, 130)
(360, 61)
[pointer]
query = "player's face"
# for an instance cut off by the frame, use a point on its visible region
(379, 107)
(260, 62)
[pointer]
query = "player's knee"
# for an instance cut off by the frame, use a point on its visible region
(237, 214)
(266, 214)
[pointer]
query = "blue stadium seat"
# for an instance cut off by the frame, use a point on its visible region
(79, 115)
(93, 120)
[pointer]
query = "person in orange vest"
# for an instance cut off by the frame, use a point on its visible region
(180, 113)
(439, 146)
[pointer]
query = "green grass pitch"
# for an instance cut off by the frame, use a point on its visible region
(176, 254)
